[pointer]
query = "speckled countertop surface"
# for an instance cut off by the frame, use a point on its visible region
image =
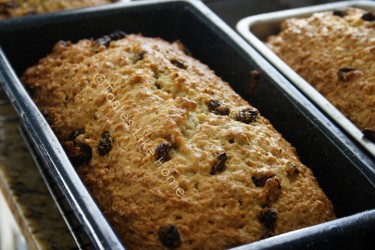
(24, 190)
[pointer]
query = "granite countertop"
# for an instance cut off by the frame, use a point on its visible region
(26, 194)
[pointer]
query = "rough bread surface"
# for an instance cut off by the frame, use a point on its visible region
(17, 8)
(173, 156)
(335, 53)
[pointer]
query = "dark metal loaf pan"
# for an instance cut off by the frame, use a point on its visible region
(345, 173)
(256, 29)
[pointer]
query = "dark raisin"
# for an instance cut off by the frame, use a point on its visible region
(187, 51)
(169, 236)
(141, 55)
(339, 13)
(268, 217)
(117, 35)
(81, 155)
(369, 17)
(219, 165)
(346, 70)
(267, 234)
(342, 74)
(255, 74)
(296, 170)
(178, 64)
(218, 108)
(75, 133)
(64, 43)
(105, 143)
(292, 169)
(157, 85)
(248, 115)
(162, 152)
(369, 134)
(105, 40)
(261, 181)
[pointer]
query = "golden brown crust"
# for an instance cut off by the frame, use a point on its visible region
(234, 182)
(17, 8)
(336, 55)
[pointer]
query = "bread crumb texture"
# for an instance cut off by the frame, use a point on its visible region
(335, 52)
(173, 156)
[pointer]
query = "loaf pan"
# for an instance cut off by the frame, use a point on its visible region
(343, 170)
(256, 29)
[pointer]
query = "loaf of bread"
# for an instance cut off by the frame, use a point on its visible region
(17, 8)
(335, 52)
(172, 155)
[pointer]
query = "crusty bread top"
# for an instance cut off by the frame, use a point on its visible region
(335, 53)
(173, 156)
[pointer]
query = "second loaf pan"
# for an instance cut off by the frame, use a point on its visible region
(344, 172)
(257, 28)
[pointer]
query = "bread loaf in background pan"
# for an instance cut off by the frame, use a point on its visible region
(17, 8)
(335, 52)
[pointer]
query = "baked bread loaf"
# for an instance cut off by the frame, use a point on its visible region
(173, 156)
(335, 52)
(17, 8)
